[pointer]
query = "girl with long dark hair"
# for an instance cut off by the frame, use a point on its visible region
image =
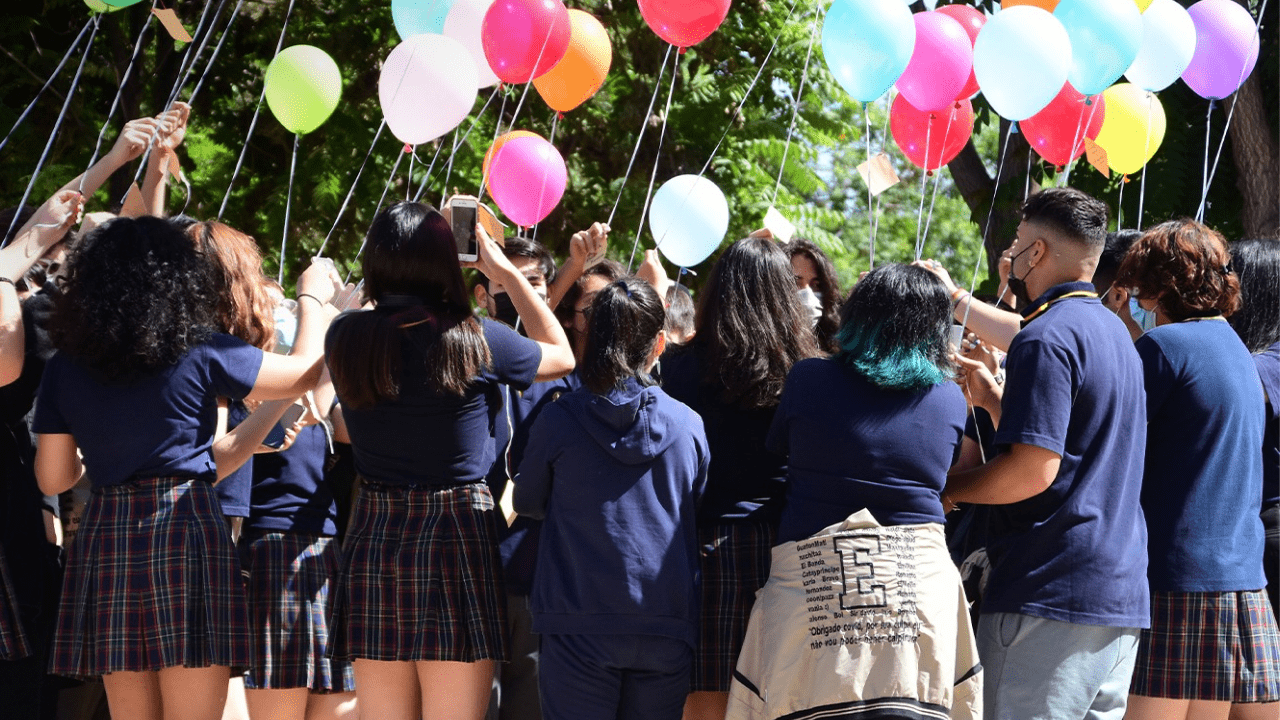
(819, 288)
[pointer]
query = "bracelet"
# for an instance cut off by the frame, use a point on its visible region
(309, 295)
(957, 291)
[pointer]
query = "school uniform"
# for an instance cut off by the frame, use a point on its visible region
(1268, 364)
(616, 479)
(152, 580)
(234, 490)
(1213, 634)
(290, 556)
(421, 576)
(738, 517)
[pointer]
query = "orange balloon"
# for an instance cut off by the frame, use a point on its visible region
(584, 67)
(1043, 4)
(497, 145)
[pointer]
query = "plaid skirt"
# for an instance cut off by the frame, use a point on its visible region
(13, 642)
(1221, 646)
(421, 577)
(289, 601)
(735, 564)
(152, 582)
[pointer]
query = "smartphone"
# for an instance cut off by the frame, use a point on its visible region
(463, 215)
(275, 439)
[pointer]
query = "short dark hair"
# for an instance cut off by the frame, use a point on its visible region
(1183, 265)
(520, 246)
(626, 317)
(1113, 252)
(610, 270)
(1256, 262)
(1071, 213)
(680, 311)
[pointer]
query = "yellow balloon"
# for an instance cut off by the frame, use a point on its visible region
(1132, 129)
(1142, 5)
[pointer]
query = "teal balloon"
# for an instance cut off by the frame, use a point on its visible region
(303, 87)
(415, 17)
(688, 218)
(867, 45)
(1105, 38)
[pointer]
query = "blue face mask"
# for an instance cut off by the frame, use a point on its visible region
(1146, 319)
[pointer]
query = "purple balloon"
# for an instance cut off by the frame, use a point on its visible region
(1226, 48)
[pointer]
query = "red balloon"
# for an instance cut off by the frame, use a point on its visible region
(524, 39)
(684, 22)
(931, 139)
(972, 20)
(1067, 120)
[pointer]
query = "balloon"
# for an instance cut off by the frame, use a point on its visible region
(684, 23)
(1142, 5)
(463, 24)
(101, 7)
(972, 20)
(117, 4)
(868, 44)
(497, 146)
(582, 71)
(940, 63)
(415, 17)
(1168, 42)
(1226, 48)
(1021, 58)
(1047, 5)
(527, 179)
(427, 87)
(688, 218)
(1057, 132)
(1124, 133)
(523, 39)
(303, 86)
(930, 139)
(1105, 37)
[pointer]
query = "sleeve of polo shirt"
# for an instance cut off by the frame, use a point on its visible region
(1038, 395)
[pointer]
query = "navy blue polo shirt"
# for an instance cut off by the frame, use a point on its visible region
(289, 490)
(233, 490)
(1268, 364)
(1076, 552)
(1203, 479)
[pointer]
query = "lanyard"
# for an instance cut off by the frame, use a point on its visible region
(1040, 310)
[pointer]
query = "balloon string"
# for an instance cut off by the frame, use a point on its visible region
(986, 229)
(1120, 206)
(345, 201)
(1078, 140)
(56, 72)
(216, 51)
(253, 123)
(1204, 182)
(408, 185)
(555, 118)
(385, 189)
(288, 203)
(456, 143)
(795, 113)
(657, 155)
(871, 223)
(62, 114)
(644, 123)
(1026, 188)
(924, 186)
(937, 180)
(426, 177)
(1146, 151)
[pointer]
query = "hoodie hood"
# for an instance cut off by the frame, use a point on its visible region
(627, 423)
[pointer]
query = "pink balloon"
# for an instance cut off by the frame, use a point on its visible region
(1226, 48)
(972, 20)
(524, 39)
(940, 64)
(527, 179)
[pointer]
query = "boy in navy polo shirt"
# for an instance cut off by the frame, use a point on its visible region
(1068, 589)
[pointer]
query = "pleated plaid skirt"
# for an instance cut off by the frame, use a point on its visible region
(1221, 646)
(13, 642)
(735, 564)
(152, 581)
(421, 576)
(290, 581)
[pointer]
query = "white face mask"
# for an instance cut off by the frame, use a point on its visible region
(286, 326)
(812, 302)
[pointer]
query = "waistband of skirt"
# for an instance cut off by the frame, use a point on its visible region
(419, 487)
(144, 484)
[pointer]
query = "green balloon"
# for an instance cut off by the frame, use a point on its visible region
(303, 88)
(101, 7)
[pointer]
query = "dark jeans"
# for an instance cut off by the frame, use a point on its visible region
(603, 677)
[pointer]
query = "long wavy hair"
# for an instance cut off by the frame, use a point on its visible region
(1256, 263)
(244, 309)
(751, 328)
(828, 284)
(137, 297)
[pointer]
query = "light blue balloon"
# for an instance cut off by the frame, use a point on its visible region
(1105, 38)
(415, 17)
(867, 44)
(688, 218)
(1021, 58)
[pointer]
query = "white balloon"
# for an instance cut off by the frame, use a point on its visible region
(1168, 43)
(1021, 58)
(463, 24)
(688, 218)
(427, 87)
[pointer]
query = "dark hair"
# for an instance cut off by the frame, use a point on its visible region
(520, 246)
(1256, 263)
(626, 317)
(1183, 265)
(680, 310)
(751, 329)
(411, 272)
(1070, 212)
(610, 270)
(137, 297)
(828, 285)
(1113, 252)
(894, 328)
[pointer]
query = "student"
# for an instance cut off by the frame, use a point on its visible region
(819, 289)
(1213, 638)
(615, 471)
(1067, 592)
(420, 604)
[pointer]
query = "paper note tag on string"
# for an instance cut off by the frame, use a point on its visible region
(175, 168)
(776, 223)
(169, 19)
(1097, 156)
(133, 206)
(878, 173)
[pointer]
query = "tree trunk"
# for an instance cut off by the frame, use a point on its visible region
(1257, 167)
(998, 221)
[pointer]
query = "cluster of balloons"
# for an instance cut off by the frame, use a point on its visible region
(1051, 65)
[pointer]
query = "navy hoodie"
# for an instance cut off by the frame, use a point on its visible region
(616, 479)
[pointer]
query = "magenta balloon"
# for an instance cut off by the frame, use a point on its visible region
(940, 64)
(1226, 48)
(527, 179)
(524, 39)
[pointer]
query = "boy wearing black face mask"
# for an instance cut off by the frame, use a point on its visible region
(533, 261)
